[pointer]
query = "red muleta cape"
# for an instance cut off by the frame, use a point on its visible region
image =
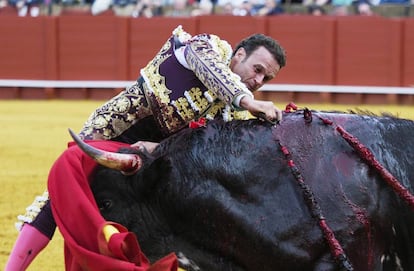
(80, 223)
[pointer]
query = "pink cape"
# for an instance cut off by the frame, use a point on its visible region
(80, 222)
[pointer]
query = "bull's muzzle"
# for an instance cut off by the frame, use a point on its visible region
(127, 163)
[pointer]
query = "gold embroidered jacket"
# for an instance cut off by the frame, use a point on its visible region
(189, 78)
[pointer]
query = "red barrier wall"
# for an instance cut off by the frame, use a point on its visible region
(310, 48)
(408, 53)
(91, 47)
(321, 50)
(24, 44)
(231, 28)
(368, 51)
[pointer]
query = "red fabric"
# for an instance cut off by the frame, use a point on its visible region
(80, 222)
(197, 124)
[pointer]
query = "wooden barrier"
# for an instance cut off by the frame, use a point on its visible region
(407, 76)
(310, 46)
(368, 51)
(24, 43)
(327, 50)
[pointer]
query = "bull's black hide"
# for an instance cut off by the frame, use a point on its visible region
(225, 197)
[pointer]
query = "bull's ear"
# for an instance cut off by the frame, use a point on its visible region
(126, 163)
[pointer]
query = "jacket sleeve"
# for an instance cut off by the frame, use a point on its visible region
(116, 115)
(208, 57)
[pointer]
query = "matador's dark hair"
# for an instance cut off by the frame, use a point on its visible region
(256, 40)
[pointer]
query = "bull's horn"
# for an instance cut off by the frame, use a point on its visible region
(125, 162)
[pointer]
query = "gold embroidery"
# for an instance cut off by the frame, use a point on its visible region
(101, 121)
(171, 122)
(183, 108)
(33, 210)
(116, 115)
(195, 96)
(156, 82)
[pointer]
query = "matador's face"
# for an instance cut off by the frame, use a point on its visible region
(256, 69)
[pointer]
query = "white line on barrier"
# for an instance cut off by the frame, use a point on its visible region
(63, 83)
(267, 87)
(338, 89)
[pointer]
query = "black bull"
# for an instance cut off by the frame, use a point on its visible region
(225, 196)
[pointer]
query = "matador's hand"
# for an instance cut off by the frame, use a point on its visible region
(260, 108)
(145, 145)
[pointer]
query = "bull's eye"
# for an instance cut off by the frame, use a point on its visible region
(105, 205)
